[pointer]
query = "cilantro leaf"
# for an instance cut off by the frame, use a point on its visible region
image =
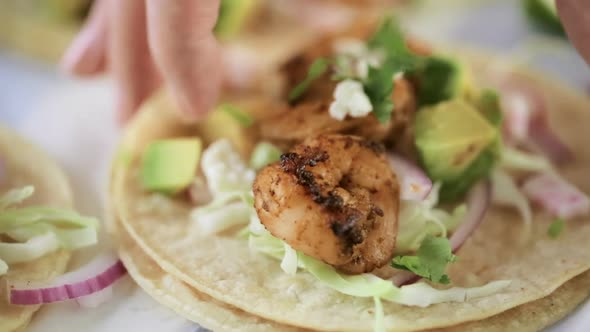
(556, 228)
(431, 260)
(379, 87)
(489, 105)
(379, 84)
(316, 70)
(243, 118)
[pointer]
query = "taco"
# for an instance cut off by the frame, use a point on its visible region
(359, 200)
(214, 315)
(38, 230)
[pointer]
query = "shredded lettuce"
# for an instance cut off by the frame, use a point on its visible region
(230, 182)
(367, 285)
(34, 248)
(290, 260)
(264, 153)
(16, 196)
(69, 238)
(513, 159)
(420, 219)
(422, 295)
(39, 230)
(430, 261)
(505, 192)
(379, 315)
(212, 221)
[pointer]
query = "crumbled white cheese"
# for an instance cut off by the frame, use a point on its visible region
(359, 55)
(224, 169)
(350, 99)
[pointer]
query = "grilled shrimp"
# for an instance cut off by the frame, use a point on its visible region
(335, 198)
(309, 115)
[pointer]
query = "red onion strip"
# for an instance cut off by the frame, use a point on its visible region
(415, 184)
(478, 201)
(100, 273)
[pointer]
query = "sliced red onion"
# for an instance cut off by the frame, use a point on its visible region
(96, 299)
(415, 184)
(557, 196)
(527, 121)
(478, 201)
(93, 277)
(403, 278)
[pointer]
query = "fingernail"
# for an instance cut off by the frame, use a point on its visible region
(72, 58)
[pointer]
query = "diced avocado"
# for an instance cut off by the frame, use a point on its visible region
(230, 122)
(170, 165)
(441, 79)
(233, 14)
(264, 153)
(457, 145)
(543, 14)
(488, 104)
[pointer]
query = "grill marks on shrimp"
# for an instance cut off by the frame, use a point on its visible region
(346, 217)
(333, 197)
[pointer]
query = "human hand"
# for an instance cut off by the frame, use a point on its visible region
(145, 42)
(575, 17)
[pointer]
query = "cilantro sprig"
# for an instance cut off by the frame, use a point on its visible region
(316, 70)
(431, 260)
(556, 228)
(379, 84)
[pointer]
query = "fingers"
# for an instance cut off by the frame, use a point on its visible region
(575, 17)
(87, 53)
(186, 52)
(130, 62)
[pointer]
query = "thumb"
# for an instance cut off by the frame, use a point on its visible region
(575, 17)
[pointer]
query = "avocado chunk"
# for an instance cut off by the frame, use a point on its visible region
(230, 121)
(170, 165)
(233, 14)
(441, 79)
(457, 145)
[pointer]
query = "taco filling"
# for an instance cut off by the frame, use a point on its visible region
(381, 161)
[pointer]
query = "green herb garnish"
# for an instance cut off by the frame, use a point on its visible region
(316, 70)
(556, 228)
(378, 86)
(243, 118)
(431, 260)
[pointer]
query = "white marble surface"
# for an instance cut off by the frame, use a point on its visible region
(74, 122)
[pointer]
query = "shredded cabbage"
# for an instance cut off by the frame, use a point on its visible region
(34, 248)
(39, 230)
(505, 192)
(363, 285)
(379, 315)
(419, 219)
(217, 220)
(290, 260)
(230, 183)
(264, 153)
(513, 159)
